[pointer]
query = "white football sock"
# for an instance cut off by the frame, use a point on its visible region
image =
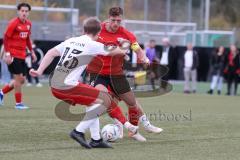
(144, 120)
(95, 129)
(84, 125)
(88, 119)
(127, 125)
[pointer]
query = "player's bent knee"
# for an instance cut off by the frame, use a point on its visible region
(131, 103)
(101, 87)
(106, 99)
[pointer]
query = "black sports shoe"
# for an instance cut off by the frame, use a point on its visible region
(210, 91)
(80, 138)
(99, 144)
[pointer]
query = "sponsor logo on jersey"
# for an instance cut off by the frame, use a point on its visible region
(23, 34)
(120, 39)
(92, 83)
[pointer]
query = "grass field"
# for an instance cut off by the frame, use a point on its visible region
(196, 126)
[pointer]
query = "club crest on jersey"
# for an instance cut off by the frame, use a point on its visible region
(92, 83)
(28, 27)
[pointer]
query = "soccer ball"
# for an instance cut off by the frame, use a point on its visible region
(110, 132)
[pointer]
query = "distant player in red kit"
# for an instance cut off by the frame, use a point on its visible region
(16, 40)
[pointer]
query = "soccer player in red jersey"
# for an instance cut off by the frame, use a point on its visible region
(16, 39)
(107, 71)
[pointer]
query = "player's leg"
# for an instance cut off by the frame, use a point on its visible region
(137, 114)
(116, 113)
(6, 89)
(135, 110)
(19, 80)
(90, 122)
(86, 95)
(18, 69)
(96, 140)
(103, 83)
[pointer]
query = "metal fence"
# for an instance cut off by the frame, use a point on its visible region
(59, 19)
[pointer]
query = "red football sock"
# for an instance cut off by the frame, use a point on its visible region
(115, 111)
(133, 114)
(18, 97)
(7, 89)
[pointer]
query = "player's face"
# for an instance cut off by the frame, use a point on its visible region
(221, 49)
(23, 13)
(115, 22)
(152, 44)
(233, 48)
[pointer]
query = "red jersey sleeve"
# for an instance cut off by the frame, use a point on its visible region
(9, 32)
(131, 37)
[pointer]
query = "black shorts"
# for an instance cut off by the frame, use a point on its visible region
(18, 66)
(117, 84)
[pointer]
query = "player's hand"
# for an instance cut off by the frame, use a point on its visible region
(146, 61)
(34, 57)
(8, 59)
(34, 73)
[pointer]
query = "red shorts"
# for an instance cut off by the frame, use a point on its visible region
(81, 94)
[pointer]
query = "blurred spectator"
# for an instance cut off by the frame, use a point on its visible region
(217, 63)
(191, 62)
(5, 74)
(232, 69)
(154, 61)
(30, 64)
(151, 51)
(166, 59)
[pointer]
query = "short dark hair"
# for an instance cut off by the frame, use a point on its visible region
(20, 5)
(92, 26)
(152, 41)
(115, 11)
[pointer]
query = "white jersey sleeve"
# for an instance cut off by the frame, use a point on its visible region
(97, 48)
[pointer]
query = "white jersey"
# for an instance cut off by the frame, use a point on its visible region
(76, 53)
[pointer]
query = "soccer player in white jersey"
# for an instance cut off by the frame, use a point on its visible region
(75, 54)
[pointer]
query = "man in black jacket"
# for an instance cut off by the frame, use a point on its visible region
(167, 58)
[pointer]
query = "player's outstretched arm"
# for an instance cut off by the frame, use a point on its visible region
(118, 51)
(111, 50)
(141, 56)
(47, 59)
